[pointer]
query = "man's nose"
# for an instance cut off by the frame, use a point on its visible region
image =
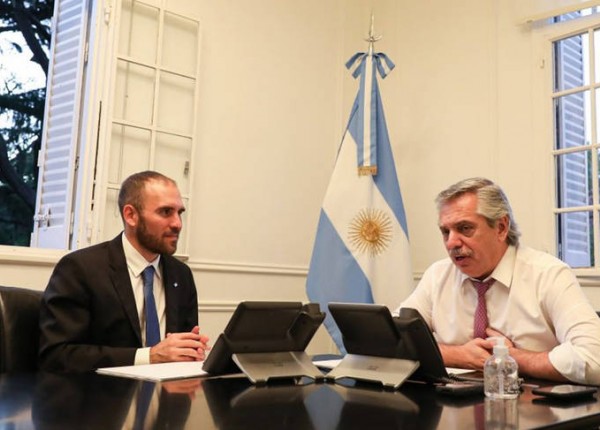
(453, 240)
(176, 222)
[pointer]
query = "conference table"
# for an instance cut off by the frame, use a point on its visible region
(94, 401)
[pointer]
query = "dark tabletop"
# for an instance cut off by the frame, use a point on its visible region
(91, 401)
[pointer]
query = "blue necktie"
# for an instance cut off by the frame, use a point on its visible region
(152, 326)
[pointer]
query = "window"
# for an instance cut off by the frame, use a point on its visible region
(152, 117)
(576, 151)
(24, 53)
(121, 97)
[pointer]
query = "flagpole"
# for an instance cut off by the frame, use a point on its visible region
(372, 38)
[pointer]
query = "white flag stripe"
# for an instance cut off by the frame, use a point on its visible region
(347, 195)
(368, 80)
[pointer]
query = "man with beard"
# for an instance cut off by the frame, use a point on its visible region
(93, 310)
(493, 286)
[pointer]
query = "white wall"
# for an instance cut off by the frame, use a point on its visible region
(274, 101)
(271, 117)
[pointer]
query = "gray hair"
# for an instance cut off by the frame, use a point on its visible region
(492, 203)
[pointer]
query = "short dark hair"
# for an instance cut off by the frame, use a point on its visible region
(492, 203)
(131, 192)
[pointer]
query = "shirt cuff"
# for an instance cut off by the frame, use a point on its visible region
(568, 362)
(142, 356)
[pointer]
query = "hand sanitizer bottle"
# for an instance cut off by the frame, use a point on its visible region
(500, 373)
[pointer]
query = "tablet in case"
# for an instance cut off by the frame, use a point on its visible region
(386, 349)
(267, 340)
(373, 344)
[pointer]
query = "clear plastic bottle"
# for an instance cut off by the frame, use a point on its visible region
(500, 373)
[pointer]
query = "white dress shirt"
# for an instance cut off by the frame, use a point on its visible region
(536, 302)
(136, 264)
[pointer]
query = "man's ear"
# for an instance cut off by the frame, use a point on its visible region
(130, 215)
(503, 225)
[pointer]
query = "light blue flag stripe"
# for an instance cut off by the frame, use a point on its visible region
(386, 179)
(334, 273)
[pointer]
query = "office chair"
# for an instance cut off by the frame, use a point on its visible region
(19, 329)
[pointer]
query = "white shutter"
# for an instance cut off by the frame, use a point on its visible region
(58, 155)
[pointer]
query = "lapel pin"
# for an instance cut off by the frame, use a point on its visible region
(175, 284)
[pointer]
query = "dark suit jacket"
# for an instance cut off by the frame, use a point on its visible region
(88, 317)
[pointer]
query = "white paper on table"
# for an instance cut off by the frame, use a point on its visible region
(157, 372)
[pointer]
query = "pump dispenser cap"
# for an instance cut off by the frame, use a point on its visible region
(500, 347)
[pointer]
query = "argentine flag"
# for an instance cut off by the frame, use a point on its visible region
(361, 250)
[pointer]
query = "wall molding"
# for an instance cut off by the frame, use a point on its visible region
(589, 281)
(217, 306)
(237, 267)
(30, 256)
(49, 257)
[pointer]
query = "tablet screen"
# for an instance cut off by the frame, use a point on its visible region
(366, 329)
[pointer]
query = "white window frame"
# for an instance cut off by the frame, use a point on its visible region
(543, 38)
(82, 184)
(164, 9)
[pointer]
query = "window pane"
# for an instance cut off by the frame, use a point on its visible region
(569, 16)
(129, 152)
(180, 44)
(588, 135)
(134, 93)
(571, 114)
(576, 241)
(597, 54)
(176, 103)
(574, 179)
(138, 35)
(571, 62)
(112, 218)
(173, 159)
(182, 244)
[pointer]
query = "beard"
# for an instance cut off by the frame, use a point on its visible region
(153, 243)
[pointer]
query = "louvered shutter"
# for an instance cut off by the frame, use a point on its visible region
(58, 155)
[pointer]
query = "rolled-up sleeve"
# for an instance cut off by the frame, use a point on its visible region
(577, 329)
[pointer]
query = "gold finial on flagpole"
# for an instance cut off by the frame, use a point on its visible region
(372, 38)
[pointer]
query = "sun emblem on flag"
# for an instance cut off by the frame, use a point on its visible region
(370, 231)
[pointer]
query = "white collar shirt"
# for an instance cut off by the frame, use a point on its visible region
(536, 302)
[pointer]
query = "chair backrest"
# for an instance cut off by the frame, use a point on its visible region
(19, 329)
